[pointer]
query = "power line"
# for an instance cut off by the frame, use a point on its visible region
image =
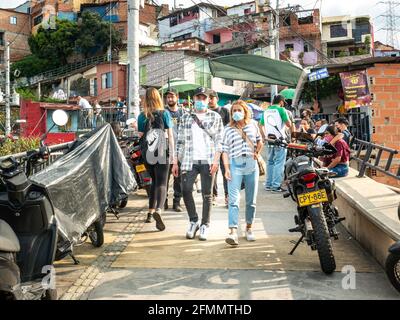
(391, 18)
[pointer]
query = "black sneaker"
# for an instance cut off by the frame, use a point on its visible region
(149, 218)
(177, 207)
(159, 222)
(166, 205)
(278, 190)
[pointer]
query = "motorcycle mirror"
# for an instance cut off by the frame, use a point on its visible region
(60, 118)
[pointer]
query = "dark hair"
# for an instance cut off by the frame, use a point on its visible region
(342, 121)
(331, 130)
(116, 127)
(278, 99)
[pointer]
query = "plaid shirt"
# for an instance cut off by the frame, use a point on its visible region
(185, 144)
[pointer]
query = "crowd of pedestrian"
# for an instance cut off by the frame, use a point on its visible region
(197, 143)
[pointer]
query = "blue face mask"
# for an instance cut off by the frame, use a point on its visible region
(200, 105)
(238, 116)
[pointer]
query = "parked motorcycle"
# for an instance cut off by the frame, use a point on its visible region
(28, 230)
(392, 265)
(314, 192)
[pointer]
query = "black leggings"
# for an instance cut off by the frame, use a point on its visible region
(158, 191)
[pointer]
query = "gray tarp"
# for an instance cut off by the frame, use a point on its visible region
(84, 182)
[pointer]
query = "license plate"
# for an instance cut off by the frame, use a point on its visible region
(310, 198)
(140, 168)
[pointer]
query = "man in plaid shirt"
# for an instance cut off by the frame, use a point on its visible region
(199, 148)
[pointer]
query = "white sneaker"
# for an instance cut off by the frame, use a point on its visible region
(193, 228)
(232, 239)
(250, 235)
(203, 233)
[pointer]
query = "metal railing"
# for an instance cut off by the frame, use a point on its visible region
(367, 161)
(359, 123)
(91, 119)
(55, 152)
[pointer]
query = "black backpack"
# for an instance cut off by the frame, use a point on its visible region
(153, 143)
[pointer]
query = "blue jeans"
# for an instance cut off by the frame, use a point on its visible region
(276, 158)
(341, 170)
(246, 170)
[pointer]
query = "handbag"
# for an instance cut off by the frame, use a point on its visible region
(260, 161)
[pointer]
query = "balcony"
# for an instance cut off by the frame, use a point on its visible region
(230, 45)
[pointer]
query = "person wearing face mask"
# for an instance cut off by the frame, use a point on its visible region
(199, 148)
(242, 144)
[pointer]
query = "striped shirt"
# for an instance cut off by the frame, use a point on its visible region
(235, 146)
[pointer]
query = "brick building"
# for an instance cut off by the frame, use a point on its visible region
(15, 29)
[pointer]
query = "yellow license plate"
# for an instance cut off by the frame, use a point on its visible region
(140, 168)
(310, 198)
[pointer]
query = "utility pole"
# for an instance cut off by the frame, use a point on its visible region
(274, 44)
(391, 17)
(133, 57)
(8, 93)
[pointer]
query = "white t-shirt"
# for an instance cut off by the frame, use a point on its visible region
(279, 123)
(199, 140)
(84, 104)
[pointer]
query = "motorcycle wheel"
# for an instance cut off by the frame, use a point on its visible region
(392, 268)
(96, 234)
(323, 241)
(50, 294)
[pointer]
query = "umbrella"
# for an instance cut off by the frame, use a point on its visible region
(288, 94)
(254, 68)
(179, 85)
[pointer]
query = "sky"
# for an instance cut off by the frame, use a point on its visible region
(328, 8)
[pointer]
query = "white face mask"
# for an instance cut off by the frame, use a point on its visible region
(238, 116)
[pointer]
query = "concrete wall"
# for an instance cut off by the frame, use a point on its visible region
(310, 58)
(239, 10)
(370, 209)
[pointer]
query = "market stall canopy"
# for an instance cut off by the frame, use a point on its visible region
(179, 85)
(254, 68)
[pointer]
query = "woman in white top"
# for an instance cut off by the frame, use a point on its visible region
(241, 145)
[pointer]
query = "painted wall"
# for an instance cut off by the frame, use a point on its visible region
(118, 82)
(310, 58)
(225, 34)
(239, 10)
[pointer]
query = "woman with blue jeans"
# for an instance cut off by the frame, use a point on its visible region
(241, 145)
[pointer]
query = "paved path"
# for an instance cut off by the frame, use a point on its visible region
(165, 265)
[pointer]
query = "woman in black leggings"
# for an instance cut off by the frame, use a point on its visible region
(154, 124)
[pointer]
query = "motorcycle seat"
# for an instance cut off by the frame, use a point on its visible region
(8, 239)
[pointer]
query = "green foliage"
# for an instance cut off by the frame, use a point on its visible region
(27, 94)
(94, 35)
(9, 147)
(14, 117)
(51, 48)
(323, 88)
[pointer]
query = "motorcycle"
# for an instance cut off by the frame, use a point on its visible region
(133, 154)
(314, 192)
(28, 230)
(392, 265)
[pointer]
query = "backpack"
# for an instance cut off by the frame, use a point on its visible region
(153, 143)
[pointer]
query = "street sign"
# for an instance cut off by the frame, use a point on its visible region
(318, 75)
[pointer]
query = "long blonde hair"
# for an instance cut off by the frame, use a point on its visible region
(247, 114)
(152, 103)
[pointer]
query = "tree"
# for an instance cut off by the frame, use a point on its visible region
(55, 45)
(30, 66)
(96, 35)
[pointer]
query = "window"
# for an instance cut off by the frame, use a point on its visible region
(143, 74)
(286, 20)
(306, 20)
(173, 21)
(217, 38)
(307, 47)
(183, 37)
(338, 31)
(289, 46)
(247, 11)
(106, 80)
(229, 82)
(37, 20)
(1, 38)
(13, 20)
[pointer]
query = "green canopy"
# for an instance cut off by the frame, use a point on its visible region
(179, 85)
(254, 68)
(288, 93)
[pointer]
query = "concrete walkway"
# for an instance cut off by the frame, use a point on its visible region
(165, 265)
